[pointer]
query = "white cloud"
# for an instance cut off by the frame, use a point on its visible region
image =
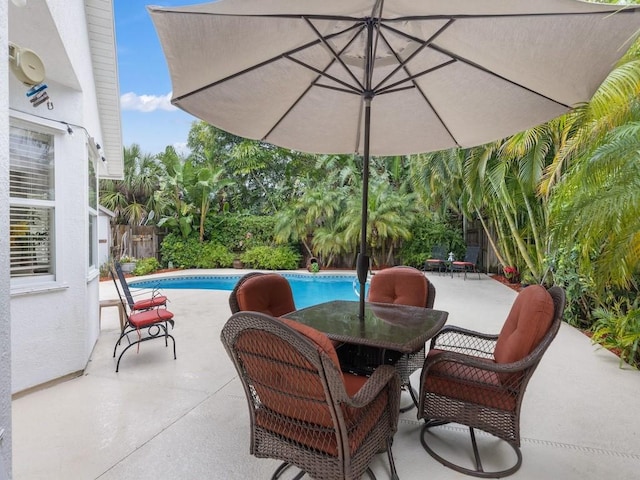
(146, 103)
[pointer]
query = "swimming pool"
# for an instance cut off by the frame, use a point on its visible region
(307, 289)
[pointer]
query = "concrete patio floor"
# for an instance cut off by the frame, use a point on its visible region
(160, 418)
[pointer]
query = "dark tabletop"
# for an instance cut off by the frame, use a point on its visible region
(397, 327)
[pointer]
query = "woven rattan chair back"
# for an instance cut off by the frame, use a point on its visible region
(268, 293)
(299, 409)
(390, 285)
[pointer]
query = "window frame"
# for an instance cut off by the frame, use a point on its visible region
(92, 227)
(51, 280)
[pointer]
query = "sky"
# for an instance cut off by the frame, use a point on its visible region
(148, 118)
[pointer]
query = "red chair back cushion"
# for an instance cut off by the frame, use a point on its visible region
(291, 391)
(529, 320)
(270, 294)
(401, 285)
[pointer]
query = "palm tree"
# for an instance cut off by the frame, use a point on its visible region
(390, 215)
(595, 208)
(316, 208)
(133, 197)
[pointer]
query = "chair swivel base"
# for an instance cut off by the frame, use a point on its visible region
(285, 466)
(478, 471)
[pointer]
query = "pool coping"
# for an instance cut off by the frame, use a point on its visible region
(226, 273)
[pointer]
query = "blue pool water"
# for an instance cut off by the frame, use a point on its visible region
(307, 289)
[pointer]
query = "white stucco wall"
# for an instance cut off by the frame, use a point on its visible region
(55, 326)
(5, 320)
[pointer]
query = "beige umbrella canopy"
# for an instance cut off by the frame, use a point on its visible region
(388, 77)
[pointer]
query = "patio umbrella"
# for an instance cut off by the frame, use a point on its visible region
(387, 77)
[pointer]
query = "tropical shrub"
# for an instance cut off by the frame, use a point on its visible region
(426, 234)
(618, 329)
(190, 253)
(239, 233)
(271, 258)
(145, 266)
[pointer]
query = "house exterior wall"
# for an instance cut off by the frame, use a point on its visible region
(5, 320)
(54, 325)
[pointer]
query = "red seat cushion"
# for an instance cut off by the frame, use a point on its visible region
(463, 264)
(400, 285)
(148, 303)
(149, 317)
(528, 321)
(468, 384)
(269, 294)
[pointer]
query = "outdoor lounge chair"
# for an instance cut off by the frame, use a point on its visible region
(268, 293)
(155, 300)
(437, 261)
(479, 380)
(303, 410)
(406, 286)
(469, 264)
(144, 325)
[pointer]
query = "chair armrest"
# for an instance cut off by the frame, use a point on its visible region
(383, 377)
(462, 340)
(480, 363)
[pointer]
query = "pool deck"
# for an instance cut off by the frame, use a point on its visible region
(161, 418)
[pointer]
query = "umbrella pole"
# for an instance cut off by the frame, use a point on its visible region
(362, 263)
(363, 259)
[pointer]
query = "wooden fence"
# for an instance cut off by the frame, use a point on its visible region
(134, 241)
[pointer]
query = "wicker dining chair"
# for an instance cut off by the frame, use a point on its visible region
(479, 380)
(303, 410)
(406, 286)
(268, 293)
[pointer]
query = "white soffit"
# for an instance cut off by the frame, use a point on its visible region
(102, 39)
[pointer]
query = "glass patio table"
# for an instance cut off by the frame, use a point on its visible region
(400, 328)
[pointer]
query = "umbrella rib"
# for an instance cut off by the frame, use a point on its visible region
(501, 77)
(412, 76)
(336, 56)
(286, 54)
(323, 74)
(402, 64)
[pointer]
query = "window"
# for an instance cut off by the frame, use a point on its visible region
(93, 211)
(31, 203)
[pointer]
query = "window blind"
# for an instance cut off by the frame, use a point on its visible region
(31, 211)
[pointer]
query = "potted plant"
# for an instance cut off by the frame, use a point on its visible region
(127, 263)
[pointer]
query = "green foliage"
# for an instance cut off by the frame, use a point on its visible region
(271, 258)
(619, 329)
(145, 266)
(240, 232)
(563, 265)
(190, 253)
(427, 234)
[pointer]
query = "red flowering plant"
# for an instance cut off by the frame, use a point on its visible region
(512, 274)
